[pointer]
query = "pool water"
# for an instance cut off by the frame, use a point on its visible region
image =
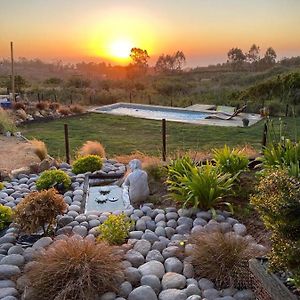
(153, 112)
(104, 199)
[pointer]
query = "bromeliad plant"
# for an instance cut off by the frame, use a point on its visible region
(203, 187)
(231, 161)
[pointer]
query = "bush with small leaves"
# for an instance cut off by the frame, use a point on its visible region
(53, 178)
(1, 186)
(39, 210)
(5, 216)
(89, 163)
(75, 269)
(278, 202)
(115, 229)
(222, 258)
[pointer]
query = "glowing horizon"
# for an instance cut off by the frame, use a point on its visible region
(104, 30)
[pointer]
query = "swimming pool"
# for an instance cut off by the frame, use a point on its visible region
(190, 114)
(153, 112)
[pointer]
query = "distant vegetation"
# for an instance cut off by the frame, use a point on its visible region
(246, 78)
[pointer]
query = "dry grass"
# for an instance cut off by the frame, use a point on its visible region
(39, 149)
(64, 110)
(54, 106)
(6, 122)
(195, 155)
(20, 113)
(92, 148)
(222, 258)
(18, 105)
(146, 160)
(77, 109)
(42, 105)
(76, 269)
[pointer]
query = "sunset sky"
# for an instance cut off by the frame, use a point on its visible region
(75, 30)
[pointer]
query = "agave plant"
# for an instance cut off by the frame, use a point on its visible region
(201, 187)
(231, 161)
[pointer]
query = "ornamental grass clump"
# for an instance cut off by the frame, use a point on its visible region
(115, 229)
(6, 122)
(222, 258)
(39, 210)
(278, 202)
(5, 216)
(53, 178)
(75, 269)
(231, 161)
(92, 148)
(39, 149)
(89, 163)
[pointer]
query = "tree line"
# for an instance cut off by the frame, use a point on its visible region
(251, 60)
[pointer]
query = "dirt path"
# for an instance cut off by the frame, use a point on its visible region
(15, 154)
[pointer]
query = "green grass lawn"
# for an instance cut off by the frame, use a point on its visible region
(122, 135)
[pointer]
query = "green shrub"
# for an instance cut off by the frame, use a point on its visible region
(231, 161)
(5, 216)
(39, 210)
(89, 163)
(201, 187)
(115, 229)
(278, 202)
(282, 155)
(1, 186)
(53, 178)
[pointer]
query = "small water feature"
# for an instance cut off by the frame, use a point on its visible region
(107, 198)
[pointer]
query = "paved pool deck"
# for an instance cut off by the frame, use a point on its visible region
(234, 122)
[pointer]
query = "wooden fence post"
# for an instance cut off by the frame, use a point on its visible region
(67, 145)
(265, 133)
(164, 144)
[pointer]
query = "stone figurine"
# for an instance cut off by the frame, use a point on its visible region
(135, 186)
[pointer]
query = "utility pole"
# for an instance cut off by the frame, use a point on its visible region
(12, 71)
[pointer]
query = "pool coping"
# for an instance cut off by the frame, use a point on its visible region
(234, 122)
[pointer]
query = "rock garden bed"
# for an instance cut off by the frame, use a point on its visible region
(154, 264)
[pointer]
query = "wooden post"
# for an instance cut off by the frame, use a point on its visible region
(39, 99)
(12, 71)
(171, 102)
(55, 99)
(265, 133)
(130, 97)
(149, 98)
(71, 97)
(191, 102)
(286, 110)
(164, 144)
(67, 143)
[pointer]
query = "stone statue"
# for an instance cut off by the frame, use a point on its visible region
(135, 186)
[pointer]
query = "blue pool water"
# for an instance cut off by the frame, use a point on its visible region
(153, 112)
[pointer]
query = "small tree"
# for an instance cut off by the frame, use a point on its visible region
(236, 57)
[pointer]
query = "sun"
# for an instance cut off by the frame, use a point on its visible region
(120, 49)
